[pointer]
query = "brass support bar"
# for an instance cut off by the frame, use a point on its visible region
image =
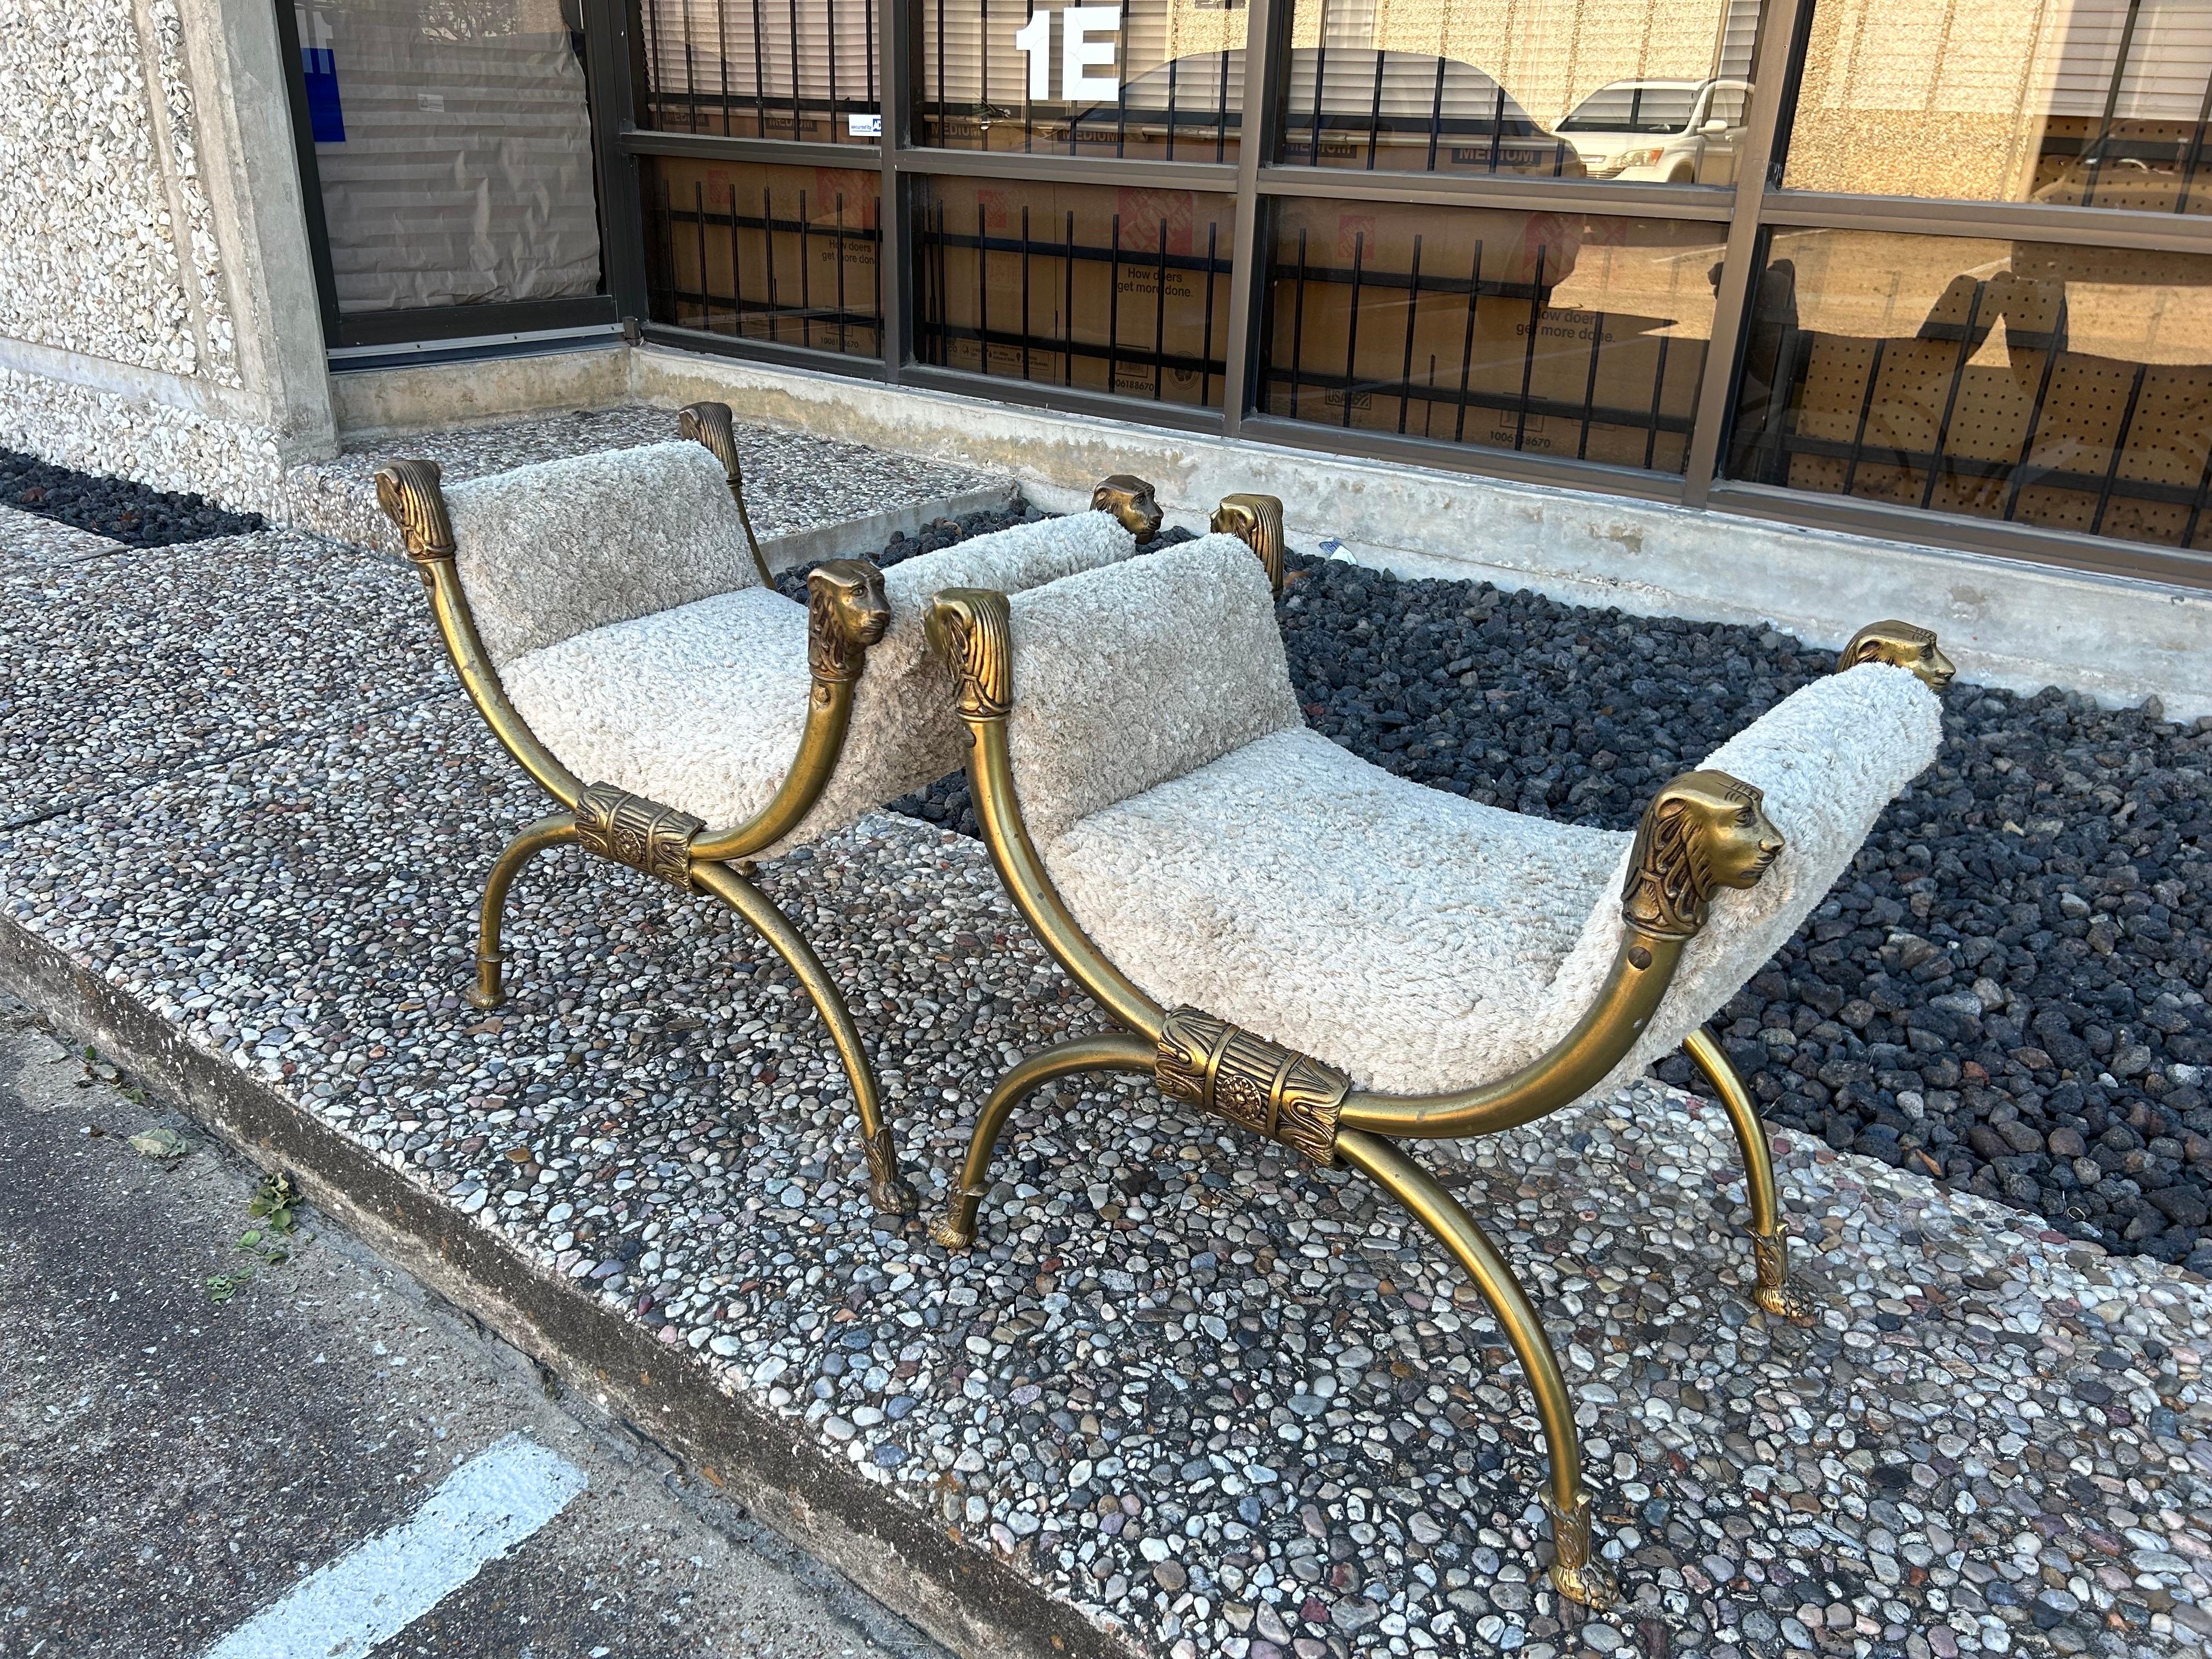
(554, 831)
(1575, 1575)
(1113, 1052)
(893, 1195)
(968, 627)
(1769, 1241)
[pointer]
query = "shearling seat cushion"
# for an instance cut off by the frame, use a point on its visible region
(701, 707)
(551, 551)
(1421, 942)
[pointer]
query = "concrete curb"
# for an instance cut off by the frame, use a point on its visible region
(962, 1596)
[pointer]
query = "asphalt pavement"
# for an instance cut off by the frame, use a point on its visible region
(228, 1431)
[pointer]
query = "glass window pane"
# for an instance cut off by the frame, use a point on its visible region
(762, 69)
(1159, 79)
(454, 145)
(1087, 286)
(2082, 103)
(1630, 90)
(1564, 334)
(787, 254)
(2068, 388)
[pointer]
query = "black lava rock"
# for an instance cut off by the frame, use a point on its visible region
(2005, 991)
(125, 512)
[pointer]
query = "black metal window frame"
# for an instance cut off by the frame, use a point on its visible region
(428, 325)
(1741, 214)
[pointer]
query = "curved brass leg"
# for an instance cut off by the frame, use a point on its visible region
(891, 1194)
(1770, 1242)
(1575, 1574)
(1118, 1052)
(556, 829)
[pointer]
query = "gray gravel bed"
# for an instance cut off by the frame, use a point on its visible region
(793, 480)
(123, 668)
(1220, 1402)
(27, 536)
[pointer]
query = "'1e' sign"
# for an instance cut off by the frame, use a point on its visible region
(1088, 40)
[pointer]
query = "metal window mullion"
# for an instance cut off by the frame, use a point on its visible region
(2037, 221)
(894, 284)
(1778, 29)
(610, 50)
(1263, 66)
(1510, 192)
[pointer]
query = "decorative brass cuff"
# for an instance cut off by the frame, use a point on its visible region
(1256, 1085)
(628, 828)
(1132, 500)
(1256, 520)
(1901, 645)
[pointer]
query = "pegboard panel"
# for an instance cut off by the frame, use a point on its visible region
(2082, 412)
(2172, 430)
(1834, 387)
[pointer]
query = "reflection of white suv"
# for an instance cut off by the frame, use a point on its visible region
(1675, 132)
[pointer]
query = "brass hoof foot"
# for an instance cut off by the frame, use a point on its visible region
(1775, 1293)
(891, 1194)
(952, 1233)
(894, 1197)
(1588, 1585)
(487, 996)
(1575, 1575)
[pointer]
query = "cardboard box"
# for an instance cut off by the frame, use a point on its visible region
(1092, 320)
(767, 280)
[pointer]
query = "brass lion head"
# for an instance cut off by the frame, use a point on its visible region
(1705, 829)
(845, 613)
(1130, 500)
(1257, 521)
(1901, 645)
(712, 426)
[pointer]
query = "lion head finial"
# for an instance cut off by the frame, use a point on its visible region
(410, 494)
(1901, 645)
(845, 613)
(968, 627)
(1257, 521)
(1131, 500)
(713, 428)
(1705, 829)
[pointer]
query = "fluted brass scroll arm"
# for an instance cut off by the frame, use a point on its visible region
(713, 427)
(1705, 830)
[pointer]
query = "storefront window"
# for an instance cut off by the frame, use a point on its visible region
(2068, 388)
(762, 69)
(2083, 103)
(453, 143)
(1159, 79)
(1563, 335)
(1636, 92)
(1079, 286)
(780, 254)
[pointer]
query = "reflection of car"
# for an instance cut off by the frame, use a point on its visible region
(1675, 132)
(1344, 107)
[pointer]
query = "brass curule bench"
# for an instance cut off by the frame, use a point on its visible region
(1338, 959)
(611, 618)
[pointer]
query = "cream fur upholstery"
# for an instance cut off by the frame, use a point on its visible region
(548, 552)
(700, 706)
(1419, 941)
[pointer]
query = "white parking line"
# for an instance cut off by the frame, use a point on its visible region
(487, 1506)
